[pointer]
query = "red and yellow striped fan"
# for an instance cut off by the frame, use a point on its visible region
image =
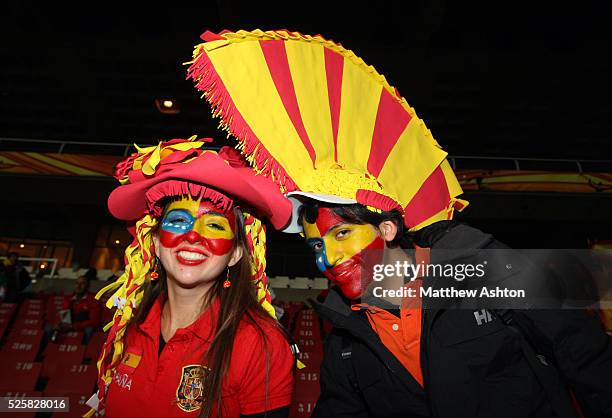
(319, 121)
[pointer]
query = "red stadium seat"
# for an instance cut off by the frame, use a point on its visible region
(30, 335)
(95, 345)
(69, 338)
(19, 351)
(58, 357)
(73, 379)
(312, 360)
(7, 310)
(19, 376)
(17, 395)
(301, 408)
(29, 322)
(77, 404)
(30, 312)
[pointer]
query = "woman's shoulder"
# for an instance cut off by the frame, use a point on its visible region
(254, 325)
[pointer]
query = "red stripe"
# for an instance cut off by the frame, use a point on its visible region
(278, 64)
(431, 198)
(391, 120)
(334, 64)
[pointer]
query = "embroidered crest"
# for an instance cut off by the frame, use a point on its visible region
(190, 390)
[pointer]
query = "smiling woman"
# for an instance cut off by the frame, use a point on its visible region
(188, 334)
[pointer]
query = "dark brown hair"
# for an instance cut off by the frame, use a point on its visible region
(238, 303)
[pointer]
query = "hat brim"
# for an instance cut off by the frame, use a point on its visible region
(297, 200)
(128, 202)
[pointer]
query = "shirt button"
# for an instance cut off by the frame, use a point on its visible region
(395, 327)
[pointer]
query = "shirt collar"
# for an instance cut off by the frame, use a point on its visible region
(201, 327)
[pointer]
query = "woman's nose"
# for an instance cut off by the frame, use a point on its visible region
(193, 237)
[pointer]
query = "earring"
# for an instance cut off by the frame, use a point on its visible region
(227, 282)
(155, 272)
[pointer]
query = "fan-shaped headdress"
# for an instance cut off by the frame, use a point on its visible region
(321, 123)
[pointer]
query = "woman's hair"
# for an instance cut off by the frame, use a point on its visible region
(359, 214)
(238, 303)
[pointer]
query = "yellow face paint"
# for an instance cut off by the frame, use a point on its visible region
(339, 249)
(193, 219)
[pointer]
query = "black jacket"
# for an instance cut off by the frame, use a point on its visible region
(470, 370)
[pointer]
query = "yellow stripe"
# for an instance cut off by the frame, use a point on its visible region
(440, 216)
(307, 64)
(454, 188)
(413, 159)
(61, 164)
(244, 71)
(7, 161)
(360, 98)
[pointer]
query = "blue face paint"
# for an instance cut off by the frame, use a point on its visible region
(178, 221)
(318, 246)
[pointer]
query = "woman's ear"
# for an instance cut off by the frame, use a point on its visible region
(236, 255)
(156, 244)
(388, 230)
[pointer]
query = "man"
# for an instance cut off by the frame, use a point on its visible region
(80, 312)
(372, 188)
(17, 278)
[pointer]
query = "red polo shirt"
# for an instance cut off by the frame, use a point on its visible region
(145, 384)
(85, 312)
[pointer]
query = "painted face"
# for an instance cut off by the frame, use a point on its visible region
(198, 222)
(195, 240)
(342, 250)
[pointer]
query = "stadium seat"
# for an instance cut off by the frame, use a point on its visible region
(70, 338)
(25, 322)
(19, 351)
(7, 310)
(27, 335)
(73, 379)
(301, 408)
(19, 376)
(30, 311)
(60, 356)
(77, 404)
(300, 283)
(17, 395)
(66, 273)
(279, 281)
(95, 345)
(320, 283)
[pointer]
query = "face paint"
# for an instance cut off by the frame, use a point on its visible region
(343, 250)
(198, 223)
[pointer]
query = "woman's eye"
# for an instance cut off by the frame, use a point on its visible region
(177, 220)
(317, 246)
(216, 226)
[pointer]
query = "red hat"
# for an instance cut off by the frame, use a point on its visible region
(180, 167)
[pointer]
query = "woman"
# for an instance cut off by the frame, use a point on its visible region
(194, 333)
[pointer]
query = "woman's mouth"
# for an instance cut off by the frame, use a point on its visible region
(191, 257)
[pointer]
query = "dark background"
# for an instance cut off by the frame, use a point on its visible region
(512, 79)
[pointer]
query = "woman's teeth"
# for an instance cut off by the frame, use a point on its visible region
(188, 255)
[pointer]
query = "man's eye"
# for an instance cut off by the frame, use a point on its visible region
(342, 233)
(216, 226)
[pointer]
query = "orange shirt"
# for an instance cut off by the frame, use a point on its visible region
(402, 336)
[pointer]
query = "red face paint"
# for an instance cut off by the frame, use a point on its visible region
(349, 276)
(198, 223)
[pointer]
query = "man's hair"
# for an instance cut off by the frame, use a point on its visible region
(359, 214)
